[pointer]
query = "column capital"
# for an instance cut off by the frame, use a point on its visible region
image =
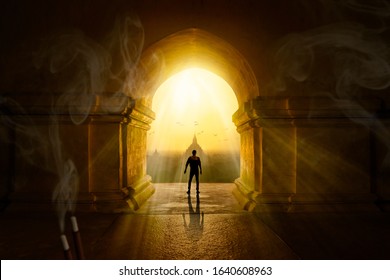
(305, 110)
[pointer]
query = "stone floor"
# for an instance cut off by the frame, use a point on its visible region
(172, 225)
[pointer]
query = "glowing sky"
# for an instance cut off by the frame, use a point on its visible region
(194, 101)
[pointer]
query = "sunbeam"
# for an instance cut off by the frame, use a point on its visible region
(194, 101)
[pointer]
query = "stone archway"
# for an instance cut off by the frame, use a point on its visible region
(276, 170)
(112, 165)
(198, 48)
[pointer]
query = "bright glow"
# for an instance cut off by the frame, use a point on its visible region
(194, 101)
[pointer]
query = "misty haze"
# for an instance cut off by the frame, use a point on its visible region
(217, 167)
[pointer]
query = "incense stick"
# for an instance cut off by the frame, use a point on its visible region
(65, 245)
(77, 239)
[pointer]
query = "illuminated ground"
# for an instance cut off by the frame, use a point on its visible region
(171, 226)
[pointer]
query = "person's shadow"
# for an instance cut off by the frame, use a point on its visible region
(194, 228)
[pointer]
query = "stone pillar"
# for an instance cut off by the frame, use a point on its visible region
(249, 183)
(305, 154)
(118, 161)
(104, 154)
(268, 155)
(137, 184)
(107, 150)
(38, 150)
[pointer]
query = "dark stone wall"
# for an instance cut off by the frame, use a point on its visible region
(312, 60)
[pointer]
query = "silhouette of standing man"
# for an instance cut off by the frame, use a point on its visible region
(195, 166)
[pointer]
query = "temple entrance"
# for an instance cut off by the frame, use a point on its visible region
(193, 112)
(195, 48)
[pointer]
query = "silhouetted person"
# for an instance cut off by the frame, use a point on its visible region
(195, 167)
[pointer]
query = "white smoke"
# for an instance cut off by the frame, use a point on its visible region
(353, 56)
(33, 146)
(81, 77)
(346, 61)
(379, 9)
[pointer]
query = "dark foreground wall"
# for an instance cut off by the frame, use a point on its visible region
(312, 79)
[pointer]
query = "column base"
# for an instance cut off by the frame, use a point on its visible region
(244, 195)
(139, 193)
(253, 201)
(110, 202)
(128, 200)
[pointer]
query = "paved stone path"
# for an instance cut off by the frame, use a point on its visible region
(172, 225)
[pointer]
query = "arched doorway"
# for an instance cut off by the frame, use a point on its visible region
(198, 48)
(194, 110)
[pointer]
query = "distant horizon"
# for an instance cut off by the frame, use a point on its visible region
(150, 152)
(218, 166)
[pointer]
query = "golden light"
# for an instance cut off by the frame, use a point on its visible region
(194, 101)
